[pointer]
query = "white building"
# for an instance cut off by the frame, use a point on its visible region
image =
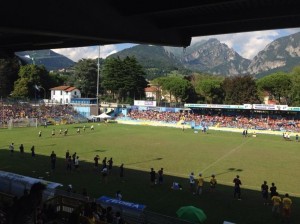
(64, 94)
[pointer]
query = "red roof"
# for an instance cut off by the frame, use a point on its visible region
(151, 89)
(64, 88)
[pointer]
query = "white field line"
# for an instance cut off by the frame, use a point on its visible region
(224, 156)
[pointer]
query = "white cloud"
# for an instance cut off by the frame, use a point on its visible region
(78, 53)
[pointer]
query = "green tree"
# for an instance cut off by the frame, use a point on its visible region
(176, 86)
(278, 85)
(29, 77)
(9, 69)
(210, 88)
(240, 90)
(295, 87)
(123, 79)
(85, 77)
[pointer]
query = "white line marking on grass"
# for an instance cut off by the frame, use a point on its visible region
(227, 154)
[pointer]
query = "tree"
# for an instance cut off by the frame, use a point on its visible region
(85, 77)
(278, 85)
(295, 87)
(210, 88)
(176, 86)
(240, 90)
(123, 78)
(9, 69)
(29, 77)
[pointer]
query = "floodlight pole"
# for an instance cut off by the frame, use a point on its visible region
(98, 77)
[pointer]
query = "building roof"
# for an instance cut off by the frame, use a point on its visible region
(165, 23)
(151, 89)
(64, 88)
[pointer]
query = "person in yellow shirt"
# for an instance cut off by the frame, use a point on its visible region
(213, 183)
(200, 184)
(276, 199)
(286, 208)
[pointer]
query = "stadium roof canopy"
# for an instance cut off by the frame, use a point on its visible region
(32, 25)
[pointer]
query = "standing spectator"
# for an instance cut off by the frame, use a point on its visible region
(69, 163)
(74, 157)
(104, 163)
(276, 203)
(237, 187)
(96, 161)
(12, 148)
(273, 190)
(67, 154)
(21, 149)
(192, 182)
(152, 177)
(200, 184)
(110, 165)
(32, 151)
(104, 174)
(160, 175)
(76, 163)
(53, 160)
(286, 208)
(265, 192)
(213, 183)
(122, 171)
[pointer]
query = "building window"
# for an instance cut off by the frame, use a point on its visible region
(75, 93)
(53, 92)
(60, 92)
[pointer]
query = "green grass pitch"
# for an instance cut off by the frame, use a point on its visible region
(225, 154)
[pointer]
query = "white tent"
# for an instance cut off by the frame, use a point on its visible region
(103, 115)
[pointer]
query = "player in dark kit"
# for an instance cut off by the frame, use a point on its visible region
(237, 187)
(265, 192)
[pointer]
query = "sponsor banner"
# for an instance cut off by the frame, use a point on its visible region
(217, 106)
(269, 107)
(123, 204)
(145, 103)
(293, 108)
(27, 180)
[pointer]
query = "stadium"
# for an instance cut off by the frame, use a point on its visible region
(143, 164)
(143, 137)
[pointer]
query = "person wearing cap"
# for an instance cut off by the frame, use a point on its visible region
(213, 183)
(237, 187)
(200, 184)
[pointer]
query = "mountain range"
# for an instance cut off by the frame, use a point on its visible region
(207, 56)
(50, 59)
(213, 57)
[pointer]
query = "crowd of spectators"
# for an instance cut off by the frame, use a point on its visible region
(256, 122)
(41, 111)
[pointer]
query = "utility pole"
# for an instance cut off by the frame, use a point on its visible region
(98, 77)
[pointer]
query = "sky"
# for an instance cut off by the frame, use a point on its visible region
(247, 44)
